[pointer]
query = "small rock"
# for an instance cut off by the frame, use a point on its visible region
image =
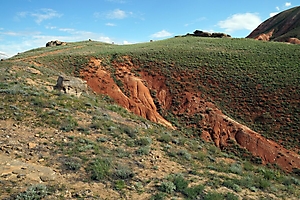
(47, 178)
(31, 145)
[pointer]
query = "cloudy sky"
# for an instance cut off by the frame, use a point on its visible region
(28, 24)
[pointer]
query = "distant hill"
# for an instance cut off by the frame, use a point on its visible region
(283, 27)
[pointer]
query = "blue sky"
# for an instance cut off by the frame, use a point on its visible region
(28, 24)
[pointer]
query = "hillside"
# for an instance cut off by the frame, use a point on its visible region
(192, 94)
(283, 27)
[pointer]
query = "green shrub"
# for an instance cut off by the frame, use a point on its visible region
(144, 141)
(33, 192)
(262, 183)
(132, 133)
(231, 185)
(236, 168)
(165, 137)
(144, 150)
(193, 192)
(231, 196)
(99, 169)
(179, 181)
(167, 186)
(120, 184)
(123, 172)
(72, 165)
(184, 154)
(158, 196)
(248, 166)
(213, 196)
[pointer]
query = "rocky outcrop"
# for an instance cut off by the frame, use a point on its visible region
(55, 43)
(71, 85)
(198, 33)
(265, 37)
(293, 41)
(125, 88)
(224, 130)
(281, 27)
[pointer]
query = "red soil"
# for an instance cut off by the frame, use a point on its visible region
(293, 41)
(216, 126)
(138, 100)
(265, 37)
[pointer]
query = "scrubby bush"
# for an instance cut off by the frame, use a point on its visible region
(167, 186)
(99, 169)
(33, 192)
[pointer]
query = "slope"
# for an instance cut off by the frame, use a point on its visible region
(228, 72)
(185, 82)
(281, 27)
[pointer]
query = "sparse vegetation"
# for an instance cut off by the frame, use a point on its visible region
(92, 140)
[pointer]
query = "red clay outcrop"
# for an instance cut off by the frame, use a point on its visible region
(137, 98)
(265, 36)
(293, 41)
(217, 127)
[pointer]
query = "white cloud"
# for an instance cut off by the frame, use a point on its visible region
(273, 14)
(50, 27)
(21, 33)
(161, 34)
(248, 21)
(277, 8)
(116, 14)
(195, 21)
(69, 30)
(126, 42)
(40, 15)
(45, 14)
(3, 55)
(110, 24)
(288, 4)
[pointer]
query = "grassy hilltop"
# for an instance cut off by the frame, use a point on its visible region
(98, 149)
(255, 82)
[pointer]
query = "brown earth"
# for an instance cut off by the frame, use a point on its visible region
(217, 127)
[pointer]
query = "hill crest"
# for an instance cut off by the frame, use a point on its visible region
(283, 27)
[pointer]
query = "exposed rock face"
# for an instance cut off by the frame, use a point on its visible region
(293, 41)
(71, 85)
(280, 27)
(199, 33)
(133, 93)
(135, 96)
(265, 37)
(223, 130)
(55, 43)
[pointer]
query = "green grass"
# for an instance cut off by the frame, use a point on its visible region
(229, 72)
(236, 74)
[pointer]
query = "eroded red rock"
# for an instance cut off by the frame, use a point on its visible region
(217, 127)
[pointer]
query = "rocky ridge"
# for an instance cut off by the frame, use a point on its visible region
(283, 27)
